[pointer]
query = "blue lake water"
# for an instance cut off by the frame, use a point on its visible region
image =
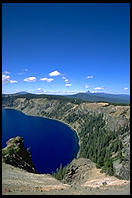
(51, 142)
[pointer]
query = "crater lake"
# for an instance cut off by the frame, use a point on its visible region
(51, 142)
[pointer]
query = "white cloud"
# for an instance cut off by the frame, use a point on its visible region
(87, 86)
(98, 88)
(64, 77)
(30, 79)
(89, 76)
(5, 78)
(54, 73)
(13, 81)
(126, 88)
(47, 79)
(68, 85)
(66, 80)
(39, 89)
(50, 79)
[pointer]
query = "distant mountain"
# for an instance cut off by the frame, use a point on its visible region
(87, 96)
(106, 97)
(16, 94)
(21, 93)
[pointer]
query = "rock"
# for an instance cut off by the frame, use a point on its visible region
(104, 183)
(77, 170)
(16, 154)
(122, 170)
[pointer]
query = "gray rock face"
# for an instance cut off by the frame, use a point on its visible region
(16, 154)
(77, 170)
(122, 170)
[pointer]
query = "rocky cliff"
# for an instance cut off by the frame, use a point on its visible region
(16, 154)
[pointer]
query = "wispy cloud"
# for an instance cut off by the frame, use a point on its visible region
(63, 77)
(30, 79)
(13, 81)
(66, 80)
(6, 72)
(68, 85)
(20, 73)
(25, 70)
(87, 86)
(39, 91)
(89, 77)
(99, 88)
(47, 79)
(55, 73)
(59, 92)
(126, 88)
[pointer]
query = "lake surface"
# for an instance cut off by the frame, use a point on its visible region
(51, 142)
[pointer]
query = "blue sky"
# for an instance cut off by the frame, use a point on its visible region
(66, 48)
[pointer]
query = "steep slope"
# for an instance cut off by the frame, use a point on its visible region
(81, 176)
(103, 129)
(16, 181)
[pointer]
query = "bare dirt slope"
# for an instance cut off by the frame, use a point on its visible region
(16, 181)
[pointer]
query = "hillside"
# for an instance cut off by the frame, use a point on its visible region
(103, 129)
(16, 181)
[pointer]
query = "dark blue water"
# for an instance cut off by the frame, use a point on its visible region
(51, 142)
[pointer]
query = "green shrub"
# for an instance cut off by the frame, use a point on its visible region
(60, 172)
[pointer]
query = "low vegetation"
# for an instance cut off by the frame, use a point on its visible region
(60, 172)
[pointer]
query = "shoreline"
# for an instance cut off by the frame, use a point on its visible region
(77, 139)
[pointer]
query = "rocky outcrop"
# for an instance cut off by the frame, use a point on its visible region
(16, 154)
(78, 171)
(122, 170)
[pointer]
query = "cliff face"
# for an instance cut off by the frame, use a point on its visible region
(16, 154)
(76, 114)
